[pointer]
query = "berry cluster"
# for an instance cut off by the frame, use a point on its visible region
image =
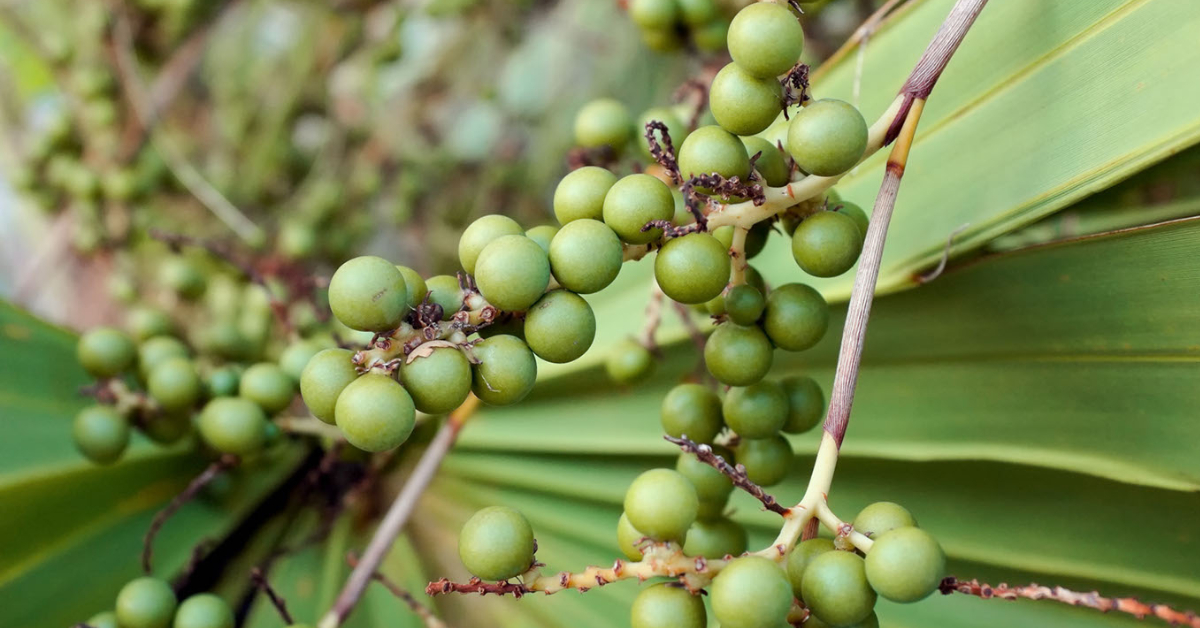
(151, 603)
(152, 379)
(667, 25)
(674, 521)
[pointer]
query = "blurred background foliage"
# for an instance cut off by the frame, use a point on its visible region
(1034, 406)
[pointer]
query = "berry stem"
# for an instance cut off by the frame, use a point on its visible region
(653, 317)
(737, 250)
(778, 200)
(1090, 599)
(398, 514)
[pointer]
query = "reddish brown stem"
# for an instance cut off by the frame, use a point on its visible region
(212, 471)
(260, 582)
(1090, 599)
(737, 475)
(475, 585)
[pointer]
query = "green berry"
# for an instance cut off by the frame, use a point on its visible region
(100, 434)
(796, 317)
(233, 425)
(767, 460)
(107, 619)
(543, 235)
(698, 12)
(872, 621)
(693, 268)
(632, 202)
(506, 371)
(324, 378)
(692, 410)
(742, 103)
(375, 413)
(415, 284)
(834, 587)
(756, 240)
(267, 385)
(585, 256)
(711, 509)
(604, 122)
(713, 150)
(445, 291)
(174, 384)
(737, 355)
(806, 404)
(905, 565)
(662, 39)
(882, 517)
(662, 504)
(438, 382)
(855, 212)
(368, 294)
(801, 556)
(716, 306)
(711, 485)
(711, 37)
(145, 603)
(765, 39)
(667, 605)
(105, 352)
(629, 363)
(827, 137)
(183, 276)
(827, 244)
(204, 610)
(165, 429)
(629, 539)
(675, 127)
(744, 304)
(145, 323)
(756, 411)
(512, 273)
(653, 13)
(581, 194)
(715, 539)
(560, 327)
(771, 163)
(481, 233)
(296, 356)
(297, 239)
(496, 544)
(751, 592)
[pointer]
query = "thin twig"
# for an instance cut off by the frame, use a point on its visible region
(398, 514)
(1090, 599)
(737, 474)
(422, 611)
(260, 582)
(918, 86)
(219, 465)
(941, 267)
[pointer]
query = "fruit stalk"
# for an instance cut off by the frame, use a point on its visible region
(916, 89)
(1090, 599)
(398, 514)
